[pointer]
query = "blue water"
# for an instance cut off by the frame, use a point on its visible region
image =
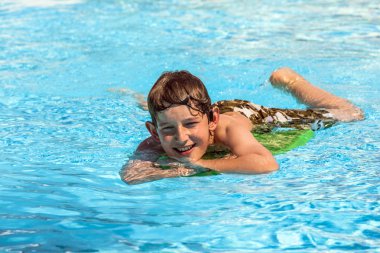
(64, 136)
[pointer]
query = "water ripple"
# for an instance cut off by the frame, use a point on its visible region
(64, 137)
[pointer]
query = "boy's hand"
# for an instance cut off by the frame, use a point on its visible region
(138, 171)
(185, 165)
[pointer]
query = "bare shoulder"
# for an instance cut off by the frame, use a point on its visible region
(231, 120)
(149, 144)
(148, 150)
(235, 134)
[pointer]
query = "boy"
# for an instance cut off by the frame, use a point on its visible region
(185, 126)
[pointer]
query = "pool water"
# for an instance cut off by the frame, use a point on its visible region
(64, 136)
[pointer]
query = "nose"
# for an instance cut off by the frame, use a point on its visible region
(182, 134)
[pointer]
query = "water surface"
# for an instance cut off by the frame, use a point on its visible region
(64, 136)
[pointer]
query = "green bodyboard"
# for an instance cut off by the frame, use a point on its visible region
(280, 142)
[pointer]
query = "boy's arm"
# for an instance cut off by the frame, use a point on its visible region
(250, 157)
(144, 167)
(138, 171)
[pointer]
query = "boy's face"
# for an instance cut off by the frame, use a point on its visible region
(183, 133)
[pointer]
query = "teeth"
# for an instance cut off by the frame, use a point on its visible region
(185, 149)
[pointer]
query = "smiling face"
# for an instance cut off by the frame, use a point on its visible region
(183, 132)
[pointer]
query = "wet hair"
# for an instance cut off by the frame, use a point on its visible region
(178, 88)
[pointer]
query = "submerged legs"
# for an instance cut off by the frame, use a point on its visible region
(305, 92)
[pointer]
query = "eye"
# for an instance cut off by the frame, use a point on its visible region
(167, 129)
(191, 124)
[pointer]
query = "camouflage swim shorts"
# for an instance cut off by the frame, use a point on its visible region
(265, 119)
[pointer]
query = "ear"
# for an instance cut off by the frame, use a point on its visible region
(215, 119)
(152, 130)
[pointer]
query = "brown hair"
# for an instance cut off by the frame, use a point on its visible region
(178, 88)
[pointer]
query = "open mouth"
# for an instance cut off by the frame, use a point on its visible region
(184, 150)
